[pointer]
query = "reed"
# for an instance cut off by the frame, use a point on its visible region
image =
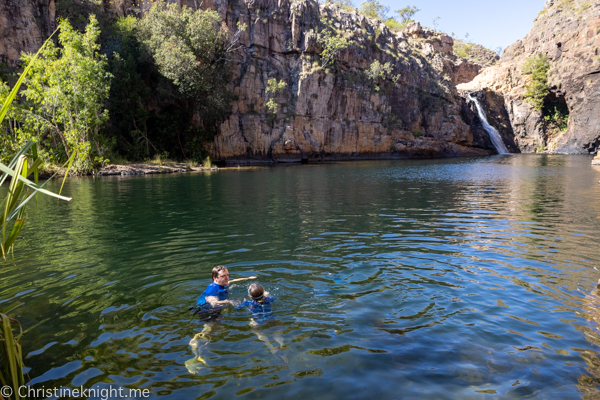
(12, 210)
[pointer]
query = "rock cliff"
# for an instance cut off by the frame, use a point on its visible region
(332, 113)
(567, 32)
(24, 25)
(338, 113)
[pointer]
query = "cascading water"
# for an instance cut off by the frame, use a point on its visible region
(494, 135)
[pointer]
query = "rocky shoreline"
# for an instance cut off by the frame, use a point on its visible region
(148, 169)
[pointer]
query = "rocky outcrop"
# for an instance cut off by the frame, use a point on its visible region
(567, 32)
(24, 25)
(325, 113)
(336, 112)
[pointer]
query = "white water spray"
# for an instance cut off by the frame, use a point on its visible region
(494, 135)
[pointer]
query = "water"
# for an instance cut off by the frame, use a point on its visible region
(415, 279)
(494, 135)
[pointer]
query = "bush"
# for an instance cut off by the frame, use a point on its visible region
(537, 89)
(394, 26)
(374, 9)
(332, 41)
(67, 88)
(556, 116)
(190, 48)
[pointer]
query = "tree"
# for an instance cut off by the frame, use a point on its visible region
(406, 14)
(374, 9)
(537, 89)
(192, 49)
(332, 41)
(129, 65)
(346, 5)
(67, 88)
(274, 87)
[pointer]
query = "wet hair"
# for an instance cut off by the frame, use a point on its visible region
(217, 269)
(255, 291)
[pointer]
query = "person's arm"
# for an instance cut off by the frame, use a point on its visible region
(214, 301)
(241, 279)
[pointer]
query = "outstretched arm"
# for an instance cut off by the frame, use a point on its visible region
(214, 301)
(241, 279)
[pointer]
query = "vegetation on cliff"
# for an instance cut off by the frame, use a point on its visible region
(537, 89)
(99, 104)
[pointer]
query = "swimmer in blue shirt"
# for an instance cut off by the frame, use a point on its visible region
(208, 307)
(214, 297)
(260, 307)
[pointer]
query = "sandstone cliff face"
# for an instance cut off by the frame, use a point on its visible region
(324, 114)
(568, 33)
(24, 25)
(337, 113)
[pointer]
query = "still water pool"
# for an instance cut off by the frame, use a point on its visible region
(469, 278)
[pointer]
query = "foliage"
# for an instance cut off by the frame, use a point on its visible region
(206, 163)
(129, 64)
(67, 89)
(13, 208)
(191, 48)
(374, 9)
(393, 25)
(406, 14)
(332, 42)
(378, 71)
(436, 22)
(462, 49)
(556, 116)
(345, 5)
(537, 89)
(273, 86)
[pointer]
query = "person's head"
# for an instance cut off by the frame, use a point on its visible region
(256, 292)
(220, 275)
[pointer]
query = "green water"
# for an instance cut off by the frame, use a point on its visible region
(470, 278)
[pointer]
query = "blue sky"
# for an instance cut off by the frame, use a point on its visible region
(497, 23)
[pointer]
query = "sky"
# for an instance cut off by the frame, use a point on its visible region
(491, 23)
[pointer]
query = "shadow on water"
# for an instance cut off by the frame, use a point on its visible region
(434, 279)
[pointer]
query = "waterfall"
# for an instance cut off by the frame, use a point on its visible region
(494, 135)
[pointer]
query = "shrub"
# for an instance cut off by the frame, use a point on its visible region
(374, 9)
(190, 48)
(537, 89)
(68, 87)
(331, 40)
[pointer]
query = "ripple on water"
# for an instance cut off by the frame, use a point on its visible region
(437, 279)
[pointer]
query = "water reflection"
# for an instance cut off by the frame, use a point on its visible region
(440, 279)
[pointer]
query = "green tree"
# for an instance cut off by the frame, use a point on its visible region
(374, 9)
(346, 5)
(537, 89)
(406, 14)
(378, 72)
(67, 88)
(192, 49)
(273, 86)
(332, 41)
(129, 65)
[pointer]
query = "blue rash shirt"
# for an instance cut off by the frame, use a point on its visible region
(261, 312)
(215, 290)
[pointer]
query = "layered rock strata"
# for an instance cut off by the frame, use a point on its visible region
(331, 113)
(567, 32)
(337, 112)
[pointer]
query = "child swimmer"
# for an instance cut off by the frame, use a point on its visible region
(260, 307)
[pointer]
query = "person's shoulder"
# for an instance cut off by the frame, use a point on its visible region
(211, 288)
